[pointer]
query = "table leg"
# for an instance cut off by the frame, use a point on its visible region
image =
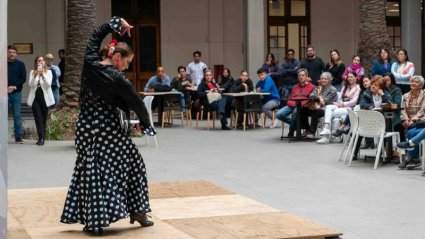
(298, 119)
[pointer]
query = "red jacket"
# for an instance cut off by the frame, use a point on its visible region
(300, 91)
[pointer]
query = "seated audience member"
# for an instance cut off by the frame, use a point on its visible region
(302, 89)
(243, 84)
(344, 127)
(370, 99)
(208, 87)
(413, 103)
(159, 79)
(349, 96)
(383, 64)
(326, 95)
(266, 85)
(403, 70)
(355, 67)
(396, 97)
(158, 82)
(415, 136)
(183, 84)
(226, 82)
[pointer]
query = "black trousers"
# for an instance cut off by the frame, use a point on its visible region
(40, 110)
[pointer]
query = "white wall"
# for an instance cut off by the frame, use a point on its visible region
(215, 27)
(335, 24)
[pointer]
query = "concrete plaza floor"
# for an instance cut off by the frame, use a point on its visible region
(304, 178)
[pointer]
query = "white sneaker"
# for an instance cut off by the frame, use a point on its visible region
(323, 140)
(310, 136)
(275, 124)
(325, 132)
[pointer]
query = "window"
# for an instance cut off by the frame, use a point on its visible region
(288, 27)
(393, 18)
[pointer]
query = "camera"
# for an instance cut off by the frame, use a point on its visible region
(40, 67)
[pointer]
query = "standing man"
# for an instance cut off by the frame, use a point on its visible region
(314, 65)
(267, 85)
(289, 71)
(196, 68)
(16, 77)
(61, 65)
(56, 75)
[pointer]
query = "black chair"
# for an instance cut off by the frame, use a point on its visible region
(252, 105)
(172, 103)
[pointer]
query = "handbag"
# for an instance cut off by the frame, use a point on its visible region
(213, 97)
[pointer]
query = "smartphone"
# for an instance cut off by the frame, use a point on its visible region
(40, 67)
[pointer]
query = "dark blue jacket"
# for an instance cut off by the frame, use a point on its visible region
(289, 72)
(378, 68)
(366, 99)
(16, 74)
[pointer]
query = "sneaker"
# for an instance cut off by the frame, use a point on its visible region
(414, 164)
(323, 140)
(19, 141)
(337, 133)
(225, 127)
(325, 132)
(404, 163)
(405, 145)
(310, 136)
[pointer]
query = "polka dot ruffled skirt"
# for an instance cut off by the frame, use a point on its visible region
(109, 179)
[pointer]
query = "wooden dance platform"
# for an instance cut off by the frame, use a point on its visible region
(192, 209)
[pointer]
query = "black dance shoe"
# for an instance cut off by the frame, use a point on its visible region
(141, 218)
(95, 231)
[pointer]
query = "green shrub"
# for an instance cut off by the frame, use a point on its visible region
(61, 124)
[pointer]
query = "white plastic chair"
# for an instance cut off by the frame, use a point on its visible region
(148, 103)
(372, 124)
(354, 123)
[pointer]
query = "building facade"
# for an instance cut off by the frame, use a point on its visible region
(236, 34)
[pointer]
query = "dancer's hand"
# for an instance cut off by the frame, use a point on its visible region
(125, 27)
(149, 131)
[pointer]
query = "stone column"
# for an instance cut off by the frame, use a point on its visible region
(3, 118)
(411, 31)
(256, 35)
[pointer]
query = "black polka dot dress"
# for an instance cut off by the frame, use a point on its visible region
(109, 179)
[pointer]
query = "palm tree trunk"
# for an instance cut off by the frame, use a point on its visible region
(373, 32)
(81, 20)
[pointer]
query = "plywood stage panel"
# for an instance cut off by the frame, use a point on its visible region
(192, 210)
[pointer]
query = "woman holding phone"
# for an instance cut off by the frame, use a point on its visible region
(40, 96)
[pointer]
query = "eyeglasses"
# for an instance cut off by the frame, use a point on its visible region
(49, 59)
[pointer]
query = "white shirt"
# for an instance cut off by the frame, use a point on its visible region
(196, 71)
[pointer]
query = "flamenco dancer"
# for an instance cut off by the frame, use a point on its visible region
(109, 180)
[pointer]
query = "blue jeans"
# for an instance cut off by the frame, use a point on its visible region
(283, 114)
(416, 136)
(220, 106)
(56, 96)
(15, 102)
